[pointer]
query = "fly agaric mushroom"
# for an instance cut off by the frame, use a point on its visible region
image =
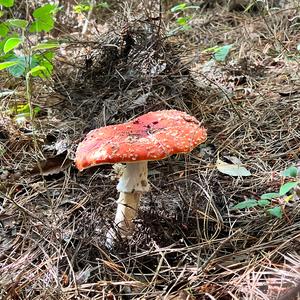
(153, 136)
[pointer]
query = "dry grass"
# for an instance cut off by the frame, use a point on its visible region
(188, 242)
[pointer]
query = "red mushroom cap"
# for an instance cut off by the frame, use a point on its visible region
(153, 136)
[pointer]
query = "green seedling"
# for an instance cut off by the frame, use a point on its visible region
(84, 7)
(22, 57)
(7, 3)
(16, 51)
(286, 193)
(182, 17)
(219, 53)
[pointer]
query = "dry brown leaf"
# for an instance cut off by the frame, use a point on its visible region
(53, 165)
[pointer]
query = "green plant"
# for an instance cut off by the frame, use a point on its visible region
(22, 111)
(82, 8)
(288, 191)
(86, 6)
(19, 54)
(219, 52)
(182, 18)
(102, 5)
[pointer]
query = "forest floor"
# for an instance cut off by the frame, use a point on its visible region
(189, 240)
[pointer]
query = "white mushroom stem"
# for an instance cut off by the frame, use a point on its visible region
(133, 182)
(134, 178)
(128, 204)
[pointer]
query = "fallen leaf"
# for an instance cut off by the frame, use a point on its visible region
(233, 159)
(53, 165)
(234, 170)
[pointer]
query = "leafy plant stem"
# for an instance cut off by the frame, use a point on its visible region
(28, 96)
(31, 114)
(85, 26)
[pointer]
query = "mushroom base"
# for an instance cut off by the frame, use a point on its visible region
(128, 204)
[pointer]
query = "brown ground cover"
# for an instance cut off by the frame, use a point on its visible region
(189, 242)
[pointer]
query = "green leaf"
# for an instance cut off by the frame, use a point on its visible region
(80, 8)
(17, 23)
(47, 72)
(39, 25)
(20, 109)
(285, 188)
(276, 212)
(211, 49)
(246, 204)
(36, 109)
(182, 7)
(232, 169)
(43, 18)
(22, 63)
(183, 21)
(4, 40)
(7, 3)
(18, 69)
(44, 60)
(45, 46)
(44, 11)
(186, 27)
(179, 7)
(290, 172)
(269, 196)
(7, 64)
(25, 109)
(263, 202)
(11, 43)
(46, 56)
(103, 5)
(222, 52)
(36, 69)
(3, 30)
